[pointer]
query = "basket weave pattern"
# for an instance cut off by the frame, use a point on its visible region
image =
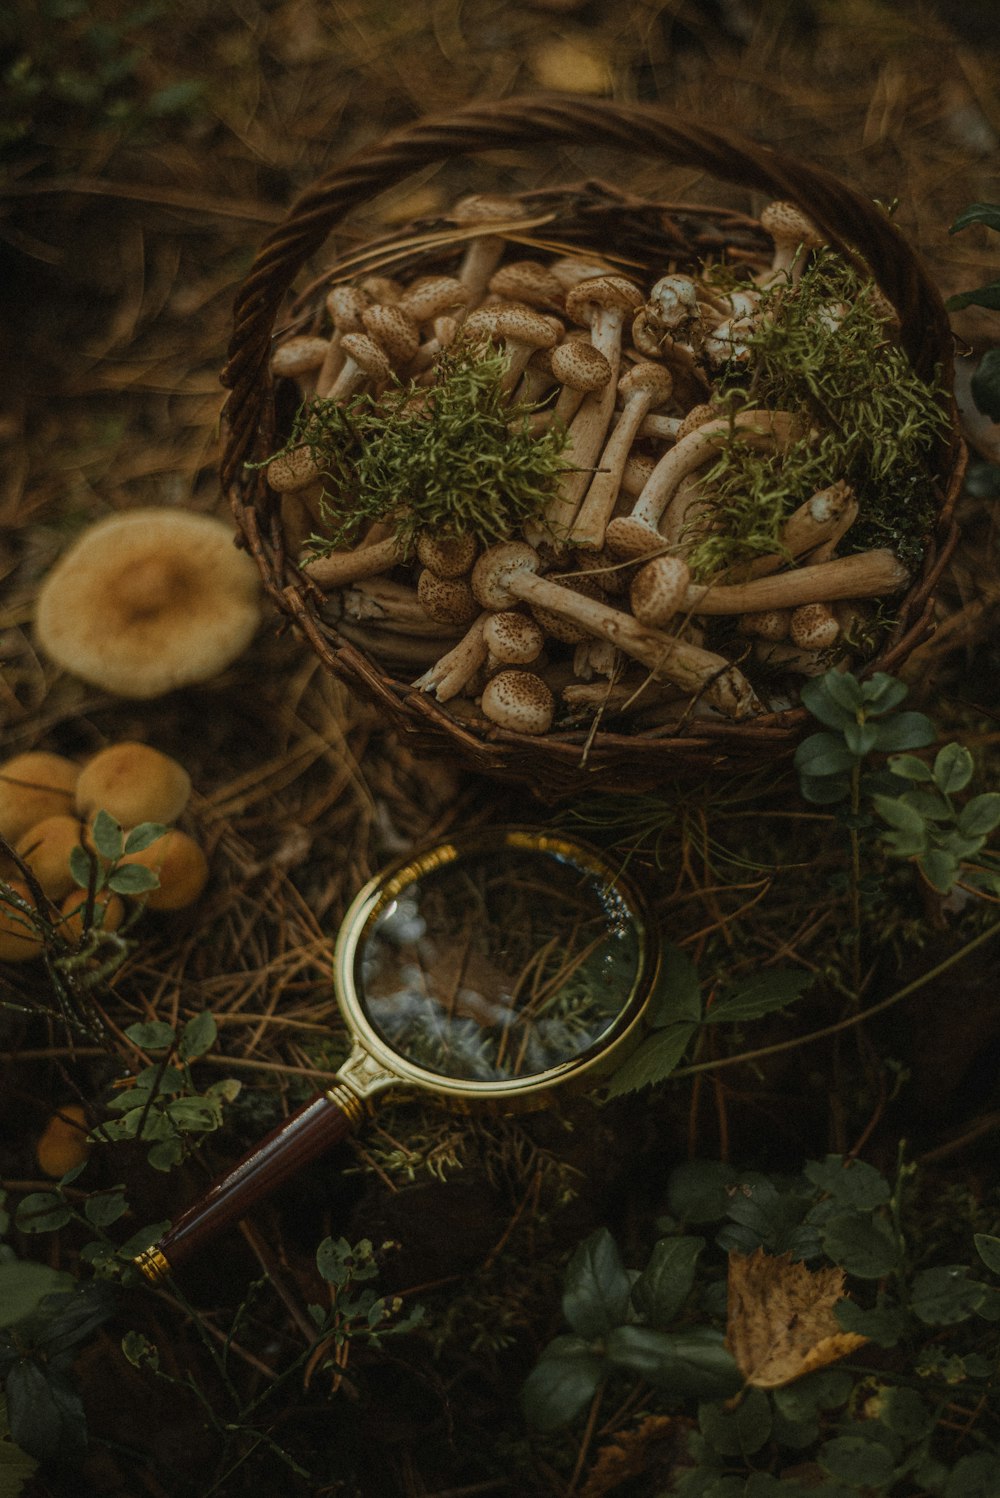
(604, 221)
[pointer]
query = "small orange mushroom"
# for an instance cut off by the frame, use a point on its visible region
(181, 867)
(46, 849)
(63, 1144)
(108, 913)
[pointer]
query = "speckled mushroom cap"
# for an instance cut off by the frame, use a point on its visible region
(147, 601)
(787, 224)
(580, 365)
(527, 281)
(394, 330)
(433, 296)
(366, 354)
(299, 355)
(520, 701)
(658, 589)
(512, 637)
(602, 292)
(652, 379)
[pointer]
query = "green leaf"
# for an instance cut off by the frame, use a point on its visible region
(562, 1382)
(693, 1363)
(906, 821)
(980, 815)
(940, 869)
(80, 865)
(859, 1463)
(106, 1208)
(23, 1284)
(823, 754)
(144, 836)
(699, 1190)
(144, 1238)
(833, 698)
(154, 1036)
(677, 995)
(910, 767)
(133, 879)
(764, 992)
(653, 1062)
(983, 296)
(108, 837)
(740, 1431)
(198, 1036)
(339, 1261)
(977, 213)
(945, 1295)
(827, 1389)
(864, 1246)
(974, 1476)
(42, 1212)
(906, 1413)
(985, 384)
(905, 731)
(861, 738)
(46, 1415)
(882, 693)
(988, 1249)
(883, 1324)
(856, 1184)
(597, 1288)
(952, 768)
(824, 790)
(666, 1282)
(166, 1153)
(194, 1115)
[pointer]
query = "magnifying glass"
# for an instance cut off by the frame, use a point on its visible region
(488, 969)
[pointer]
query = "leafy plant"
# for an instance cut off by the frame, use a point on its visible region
(910, 1340)
(986, 380)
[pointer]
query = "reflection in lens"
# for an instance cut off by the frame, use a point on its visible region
(493, 967)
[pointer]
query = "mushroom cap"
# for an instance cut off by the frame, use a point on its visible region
(557, 626)
(485, 208)
(519, 701)
(658, 589)
(46, 849)
(133, 783)
(787, 224)
(522, 325)
(814, 627)
(604, 292)
(109, 912)
(345, 305)
(366, 354)
(570, 270)
(181, 866)
(432, 296)
(654, 379)
(298, 355)
(33, 786)
(766, 624)
(448, 600)
(447, 556)
(673, 302)
(63, 1143)
(381, 289)
(493, 571)
(580, 365)
(19, 940)
(148, 601)
(695, 418)
(513, 638)
(527, 281)
(394, 330)
(293, 470)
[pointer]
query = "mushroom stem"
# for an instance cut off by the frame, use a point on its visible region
(866, 574)
(449, 675)
(338, 568)
(644, 385)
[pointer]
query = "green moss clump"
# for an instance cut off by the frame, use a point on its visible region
(456, 457)
(822, 350)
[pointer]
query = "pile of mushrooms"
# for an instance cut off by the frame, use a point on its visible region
(593, 608)
(47, 805)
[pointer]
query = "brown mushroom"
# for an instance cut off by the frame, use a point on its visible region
(46, 849)
(180, 866)
(149, 600)
(643, 385)
(33, 786)
(133, 783)
(519, 701)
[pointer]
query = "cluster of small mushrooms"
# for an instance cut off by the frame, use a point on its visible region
(47, 805)
(594, 605)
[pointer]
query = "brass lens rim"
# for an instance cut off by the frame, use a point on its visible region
(372, 899)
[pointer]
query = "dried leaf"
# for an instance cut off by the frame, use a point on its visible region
(780, 1318)
(633, 1453)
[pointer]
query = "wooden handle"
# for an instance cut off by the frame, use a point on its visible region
(314, 1128)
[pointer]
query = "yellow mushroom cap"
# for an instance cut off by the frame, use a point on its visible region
(34, 786)
(147, 601)
(46, 849)
(108, 913)
(64, 1143)
(181, 866)
(133, 783)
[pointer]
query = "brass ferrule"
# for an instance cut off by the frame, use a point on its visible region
(153, 1263)
(347, 1100)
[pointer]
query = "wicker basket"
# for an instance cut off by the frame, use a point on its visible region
(604, 220)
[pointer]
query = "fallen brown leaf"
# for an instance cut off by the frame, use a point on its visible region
(780, 1322)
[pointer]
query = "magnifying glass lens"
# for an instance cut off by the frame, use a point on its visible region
(499, 966)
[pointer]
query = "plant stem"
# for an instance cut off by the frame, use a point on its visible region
(855, 883)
